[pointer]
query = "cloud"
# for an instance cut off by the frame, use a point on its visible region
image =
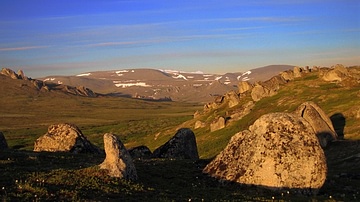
(23, 48)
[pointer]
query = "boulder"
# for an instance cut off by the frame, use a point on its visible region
(21, 75)
(199, 124)
(140, 152)
(64, 137)
(118, 161)
(232, 98)
(244, 86)
(337, 73)
(297, 72)
(181, 146)
(3, 143)
(217, 124)
(287, 75)
(319, 121)
(259, 91)
(279, 151)
(267, 88)
(274, 83)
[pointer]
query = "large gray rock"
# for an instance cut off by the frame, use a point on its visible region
(3, 143)
(118, 161)
(319, 121)
(279, 151)
(181, 146)
(64, 137)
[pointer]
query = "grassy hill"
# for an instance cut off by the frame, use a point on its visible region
(25, 115)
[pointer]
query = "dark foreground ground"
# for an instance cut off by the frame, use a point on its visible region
(29, 176)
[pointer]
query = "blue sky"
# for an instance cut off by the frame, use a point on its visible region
(67, 37)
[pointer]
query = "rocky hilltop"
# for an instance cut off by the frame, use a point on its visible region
(337, 75)
(19, 82)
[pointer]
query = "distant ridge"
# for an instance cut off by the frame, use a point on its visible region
(18, 84)
(159, 84)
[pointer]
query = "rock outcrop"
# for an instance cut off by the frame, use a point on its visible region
(83, 91)
(181, 146)
(279, 151)
(244, 86)
(3, 143)
(9, 73)
(287, 75)
(64, 137)
(118, 160)
(298, 72)
(337, 73)
(140, 152)
(319, 121)
(218, 124)
(232, 98)
(259, 91)
(21, 75)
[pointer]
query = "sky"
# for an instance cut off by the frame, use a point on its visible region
(67, 37)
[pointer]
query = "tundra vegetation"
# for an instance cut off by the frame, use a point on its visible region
(39, 176)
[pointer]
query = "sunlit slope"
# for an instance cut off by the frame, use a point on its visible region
(335, 98)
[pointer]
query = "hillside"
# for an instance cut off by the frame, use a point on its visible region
(165, 84)
(336, 98)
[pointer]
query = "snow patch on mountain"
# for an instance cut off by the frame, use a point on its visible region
(85, 74)
(245, 78)
(179, 76)
(49, 79)
(125, 85)
(169, 71)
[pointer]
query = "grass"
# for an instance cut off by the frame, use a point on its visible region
(130, 119)
(30, 176)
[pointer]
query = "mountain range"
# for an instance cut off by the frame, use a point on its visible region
(157, 84)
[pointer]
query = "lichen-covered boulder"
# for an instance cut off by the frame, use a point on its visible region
(65, 137)
(279, 151)
(118, 161)
(181, 146)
